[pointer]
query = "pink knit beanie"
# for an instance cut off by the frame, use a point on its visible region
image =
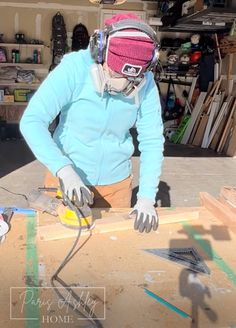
(129, 51)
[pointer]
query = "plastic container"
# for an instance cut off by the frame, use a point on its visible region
(17, 56)
(35, 56)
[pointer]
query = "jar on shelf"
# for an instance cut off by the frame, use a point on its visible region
(13, 55)
(17, 56)
(35, 56)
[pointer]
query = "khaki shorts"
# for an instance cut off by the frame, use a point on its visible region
(116, 195)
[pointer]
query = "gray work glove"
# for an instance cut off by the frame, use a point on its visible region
(73, 187)
(146, 217)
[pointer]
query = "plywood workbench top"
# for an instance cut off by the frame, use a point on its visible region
(117, 261)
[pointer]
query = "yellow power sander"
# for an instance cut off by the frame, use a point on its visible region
(74, 216)
(56, 203)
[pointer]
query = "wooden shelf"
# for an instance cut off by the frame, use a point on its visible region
(24, 65)
(209, 20)
(20, 85)
(18, 103)
(22, 45)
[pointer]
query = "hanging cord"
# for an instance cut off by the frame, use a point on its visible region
(89, 315)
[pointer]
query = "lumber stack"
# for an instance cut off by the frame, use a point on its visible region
(212, 123)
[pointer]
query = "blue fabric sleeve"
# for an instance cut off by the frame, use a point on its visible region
(54, 93)
(150, 137)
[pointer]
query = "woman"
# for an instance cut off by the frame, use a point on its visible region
(101, 93)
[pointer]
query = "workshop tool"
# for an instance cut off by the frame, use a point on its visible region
(182, 256)
(61, 207)
(5, 226)
(79, 214)
(42, 202)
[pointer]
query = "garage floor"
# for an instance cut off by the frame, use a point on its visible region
(187, 170)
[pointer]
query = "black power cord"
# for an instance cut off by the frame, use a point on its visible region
(88, 314)
(14, 193)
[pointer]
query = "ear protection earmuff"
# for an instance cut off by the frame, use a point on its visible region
(99, 40)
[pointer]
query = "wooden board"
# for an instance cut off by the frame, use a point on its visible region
(228, 204)
(194, 116)
(219, 210)
(229, 193)
(227, 128)
(231, 150)
(228, 198)
(212, 109)
(215, 141)
(117, 262)
(112, 220)
(200, 130)
(221, 116)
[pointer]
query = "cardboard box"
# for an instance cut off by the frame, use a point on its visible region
(21, 94)
(9, 98)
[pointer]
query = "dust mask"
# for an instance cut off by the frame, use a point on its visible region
(117, 84)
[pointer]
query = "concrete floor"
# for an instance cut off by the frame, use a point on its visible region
(187, 170)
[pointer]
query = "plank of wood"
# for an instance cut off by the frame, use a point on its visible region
(192, 88)
(210, 97)
(200, 130)
(231, 150)
(123, 267)
(195, 113)
(223, 111)
(213, 110)
(227, 128)
(229, 193)
(229, 74)
(215, 141)
(213, 92)
(188, 106)
(224, 201)
(219, 210)
(228, 139)
(218, 52)
(115, 220)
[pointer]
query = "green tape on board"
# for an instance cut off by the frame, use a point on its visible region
(32, 312)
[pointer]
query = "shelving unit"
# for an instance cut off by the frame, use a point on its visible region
(24, 65)
(19, 85)
(210, 20)
(12, 111)
(22, 45)
(16, 103)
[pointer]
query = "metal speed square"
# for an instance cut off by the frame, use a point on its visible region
(187, 257)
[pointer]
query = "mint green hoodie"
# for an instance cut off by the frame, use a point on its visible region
(93, 132)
